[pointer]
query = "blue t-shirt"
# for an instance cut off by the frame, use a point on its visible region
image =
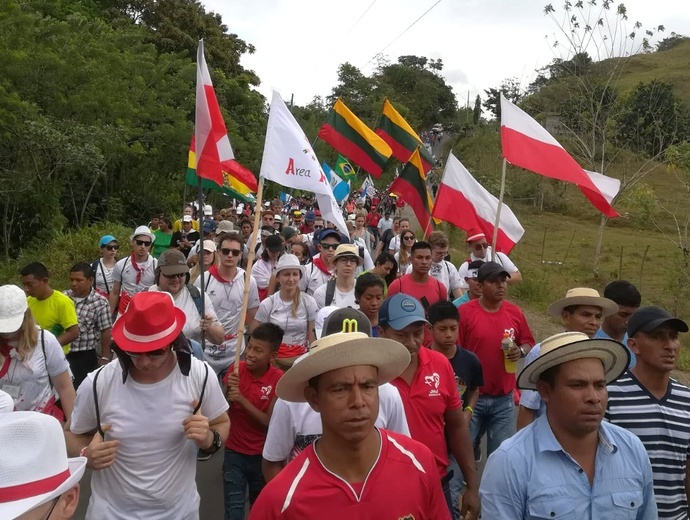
(602, 335)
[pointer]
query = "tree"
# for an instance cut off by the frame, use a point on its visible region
(510, 88)
(671, 41)
(477, 112)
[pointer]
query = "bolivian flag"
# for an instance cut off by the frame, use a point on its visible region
(411, 186)
(238, 181)
(345, 132)
(399, 135)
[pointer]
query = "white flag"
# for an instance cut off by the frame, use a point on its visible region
(290, 161)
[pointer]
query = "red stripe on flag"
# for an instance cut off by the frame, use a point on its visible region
(349, 149)
(452, 206)
(399, 151)
(411, 196)
(551, 161)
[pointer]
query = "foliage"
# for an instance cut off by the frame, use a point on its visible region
(511, 90)
(673, 40)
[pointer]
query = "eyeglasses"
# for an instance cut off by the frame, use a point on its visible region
(154, 354)
(142, 243)
(111, 248)
(332, 247)
(479, 247)
(173, 276)
(347, 259)
(226, 251)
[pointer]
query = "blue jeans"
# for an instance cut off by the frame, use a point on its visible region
(240, 472)
(455, 486)
(494, 416)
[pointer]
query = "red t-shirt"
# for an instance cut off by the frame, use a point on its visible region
(432, 291)
(481, 332)
(433, 392)
(246, 435)
(402, 484)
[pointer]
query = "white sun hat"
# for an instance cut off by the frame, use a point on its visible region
(288, 261)
(142, 231)
(35, 467)
(569, 346)
(13, 306)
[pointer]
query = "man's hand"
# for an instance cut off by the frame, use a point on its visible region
(100, 454)
(469, 504)
(206, 322)
(234, 394)
(513, 353)
(196, 428)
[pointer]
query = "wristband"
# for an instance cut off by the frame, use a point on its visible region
(470, 409)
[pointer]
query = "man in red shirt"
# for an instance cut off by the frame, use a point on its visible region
(251, 394)
(430, 397)
(483, 323)
(354, 470)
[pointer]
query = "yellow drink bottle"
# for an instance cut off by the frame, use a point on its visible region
(506, 343)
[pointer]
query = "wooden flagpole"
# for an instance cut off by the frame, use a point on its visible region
(498, 211)
(248, 274)
(200, 257)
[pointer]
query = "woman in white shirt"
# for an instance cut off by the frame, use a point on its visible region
(103, 267)
(265, 267)
(32, 363)
(407, 240)
(290, 309)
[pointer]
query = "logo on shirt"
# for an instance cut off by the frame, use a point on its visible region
(266, 391)
(462, 386)
(433, 381)
(406, 517)
(510, 332)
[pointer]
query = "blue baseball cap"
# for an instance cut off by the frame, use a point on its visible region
(209, 226)
(326, 232)
(106, 239)
(401, 310)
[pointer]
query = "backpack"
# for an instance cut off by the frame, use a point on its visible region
(196, 296)
(330, 292)
(98, 409)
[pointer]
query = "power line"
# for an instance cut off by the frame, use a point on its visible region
(399, 35)
(361, 16)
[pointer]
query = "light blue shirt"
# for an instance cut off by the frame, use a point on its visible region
(602, 335)
(531, 398)
(530, 477)
(463, 299)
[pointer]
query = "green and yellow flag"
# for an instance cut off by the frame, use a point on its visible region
(344, 169)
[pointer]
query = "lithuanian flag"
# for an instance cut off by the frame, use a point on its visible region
(411, 186)
(238, 181)
(345, 132)
(399, 135)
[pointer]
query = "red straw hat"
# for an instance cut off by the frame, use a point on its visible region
(150, 322)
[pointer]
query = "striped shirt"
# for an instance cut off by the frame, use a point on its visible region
(663, 426)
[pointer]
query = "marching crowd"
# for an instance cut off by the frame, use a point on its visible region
(370, 369)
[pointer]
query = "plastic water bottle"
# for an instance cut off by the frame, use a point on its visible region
(506, 343)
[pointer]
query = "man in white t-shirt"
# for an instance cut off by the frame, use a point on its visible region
(294, 426)
(340, 291)
(481, 250)
(394, 245)
(224, 285)
(134, 273)
(157, 407)
(321, 268)
(441, 269)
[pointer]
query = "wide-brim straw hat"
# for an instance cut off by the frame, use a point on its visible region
(569, 346)
(339, 351)
(347, 250)
(583, 296)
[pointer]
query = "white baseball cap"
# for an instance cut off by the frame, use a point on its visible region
(208, 210)
(13, 305)
(35, 467)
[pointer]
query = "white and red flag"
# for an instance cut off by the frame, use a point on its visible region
(212, 144)
(528, 145)
(463, 202)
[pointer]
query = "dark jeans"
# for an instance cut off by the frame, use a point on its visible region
(445, 486)
(240, 472)
(81, 364)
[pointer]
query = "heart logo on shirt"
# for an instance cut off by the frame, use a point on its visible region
(432, 380)
(266, 390)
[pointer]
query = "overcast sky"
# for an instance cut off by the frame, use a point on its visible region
(300, 43)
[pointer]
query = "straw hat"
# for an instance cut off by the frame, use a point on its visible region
(339, 351)
(288, 261)
(347, 250)
(35, 467)
(583, 296)
(569, 346)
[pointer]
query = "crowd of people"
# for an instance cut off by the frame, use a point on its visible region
(370, 369)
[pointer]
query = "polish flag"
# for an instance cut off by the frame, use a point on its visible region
(211, 137)
(608, 186)
(528, 145)
(463, 202)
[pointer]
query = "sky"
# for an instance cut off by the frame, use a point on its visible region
(300, 43)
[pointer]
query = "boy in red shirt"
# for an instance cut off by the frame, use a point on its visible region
(251, 394)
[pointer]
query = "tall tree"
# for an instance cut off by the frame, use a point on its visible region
(510, 88)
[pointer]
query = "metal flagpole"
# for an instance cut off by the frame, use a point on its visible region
(200, 257)
(248, 275)
(498, 211)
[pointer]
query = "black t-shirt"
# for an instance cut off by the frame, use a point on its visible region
(468, 372)
(178, 236)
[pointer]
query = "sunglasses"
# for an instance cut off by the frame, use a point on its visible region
(111, 248)
(318, 227)
(173, 276)
(226, 251)
(409, 237)
(144, 243)
(479, 247)
(332, 247)
(154, 354)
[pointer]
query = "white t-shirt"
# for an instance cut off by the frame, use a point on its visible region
(6, 402)
(155, 467)
(104, 277)
(315, 277)
(502, 259)
(294, 426)
(185, 302)
(125, 273)
(385, 224)
(274, 310)
(262, 271)
(394, 244)
(340, 299)
(28, 381)
(444, 272)
(227, 299)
